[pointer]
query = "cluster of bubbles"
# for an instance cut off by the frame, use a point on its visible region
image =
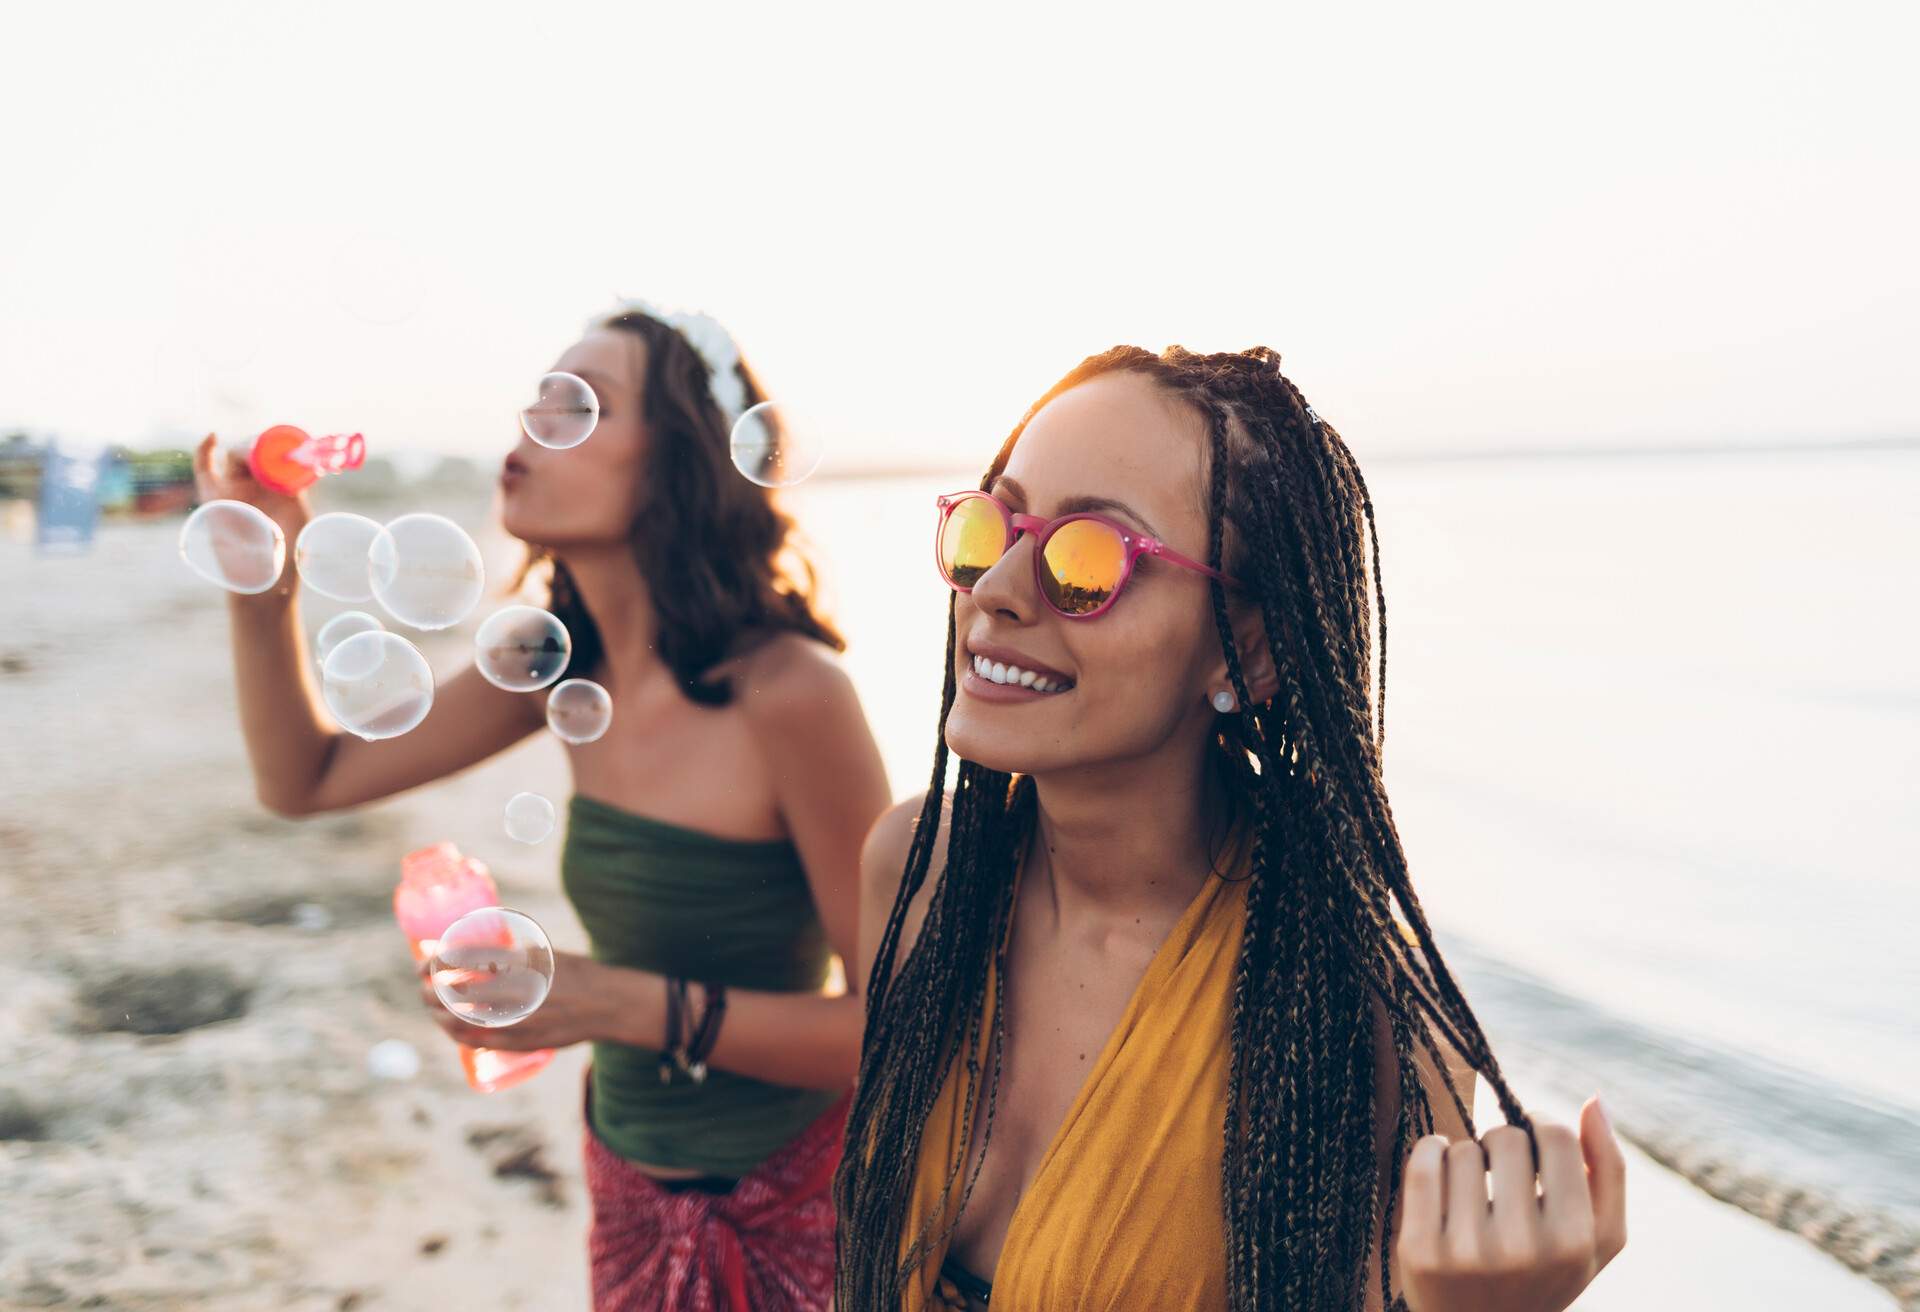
(493, 966)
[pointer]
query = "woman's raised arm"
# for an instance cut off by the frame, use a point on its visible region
(302, 762)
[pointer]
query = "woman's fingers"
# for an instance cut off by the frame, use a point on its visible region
(1606, 1180)
(1465, 1230)
(1556, 1215)
(205, 477)
(1515, 1215)
(1423, 1200)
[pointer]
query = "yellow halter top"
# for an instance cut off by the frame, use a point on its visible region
(1124, 1210)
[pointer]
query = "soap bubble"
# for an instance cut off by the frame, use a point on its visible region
(773, 449)
(426, 571)
(341, 627)
(529, 817)
(579, 710)
(492, 967)
(235, 545)
(331, 555)
(564, 414)
(521, 648)
(377, 684)
(377, 279)
(393, 1059)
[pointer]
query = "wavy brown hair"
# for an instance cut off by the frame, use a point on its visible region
(722, 560)
(1300, 1188)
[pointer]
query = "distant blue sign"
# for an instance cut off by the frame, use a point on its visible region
(69, 501)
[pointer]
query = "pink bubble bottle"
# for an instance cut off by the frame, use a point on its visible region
(437, 887)
(285, 459)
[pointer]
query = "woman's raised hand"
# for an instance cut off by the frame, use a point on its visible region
(220, 475)
(1476, 1235)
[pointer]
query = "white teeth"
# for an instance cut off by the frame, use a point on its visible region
(1002, 673)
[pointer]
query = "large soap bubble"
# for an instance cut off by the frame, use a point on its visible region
(521, 648)
(235, 545)
(426, 571)
(377, 684)
(492, 966)
(331, 555)
(529, 817)
(579, 710)
(773, 448)
(338, 629)
(564, 414)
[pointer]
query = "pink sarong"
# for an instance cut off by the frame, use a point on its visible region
(767, 1246)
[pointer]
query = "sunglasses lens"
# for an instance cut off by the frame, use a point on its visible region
(971, 540)
(1083, 563)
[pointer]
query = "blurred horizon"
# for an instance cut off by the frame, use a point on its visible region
(1506, 228)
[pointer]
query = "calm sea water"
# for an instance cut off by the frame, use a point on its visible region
(1653, 741)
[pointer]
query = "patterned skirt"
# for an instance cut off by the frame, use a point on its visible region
(766, 1246)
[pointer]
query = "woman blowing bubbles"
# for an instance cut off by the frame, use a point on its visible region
(1155, 1018)
(714, 833)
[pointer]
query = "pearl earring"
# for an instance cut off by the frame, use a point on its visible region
(1225, 702)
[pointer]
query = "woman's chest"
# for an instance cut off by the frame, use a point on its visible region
(1062, 1008)
(687, 765)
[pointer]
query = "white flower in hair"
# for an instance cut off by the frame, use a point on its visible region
(713, 344)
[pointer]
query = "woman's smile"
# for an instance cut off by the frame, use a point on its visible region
(1001, 674)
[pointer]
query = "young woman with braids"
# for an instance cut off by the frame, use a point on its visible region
(1155, 1019)
(713, 837)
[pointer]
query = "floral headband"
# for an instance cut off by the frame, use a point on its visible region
(711, 342)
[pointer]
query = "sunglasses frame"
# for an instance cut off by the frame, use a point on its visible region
(1136, 545)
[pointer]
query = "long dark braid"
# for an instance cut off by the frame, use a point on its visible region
(1328, 889)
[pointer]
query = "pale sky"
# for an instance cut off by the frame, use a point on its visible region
(1461, 225)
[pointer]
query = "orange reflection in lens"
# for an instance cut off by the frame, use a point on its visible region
(971, 540)
(1084, 560)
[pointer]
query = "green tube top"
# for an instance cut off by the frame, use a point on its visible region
(675, 901)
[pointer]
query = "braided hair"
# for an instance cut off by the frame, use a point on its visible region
(1332, 920)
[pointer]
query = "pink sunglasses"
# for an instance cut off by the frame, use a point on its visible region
(1080, 561)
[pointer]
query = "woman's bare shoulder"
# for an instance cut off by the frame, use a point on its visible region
(883, 864)
(788, 673)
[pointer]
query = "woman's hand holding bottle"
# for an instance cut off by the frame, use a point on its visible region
(221, 475)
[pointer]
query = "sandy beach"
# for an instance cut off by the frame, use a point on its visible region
(187, 1118)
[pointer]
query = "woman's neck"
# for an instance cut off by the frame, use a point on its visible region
(1129, 839)
(614, 591)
